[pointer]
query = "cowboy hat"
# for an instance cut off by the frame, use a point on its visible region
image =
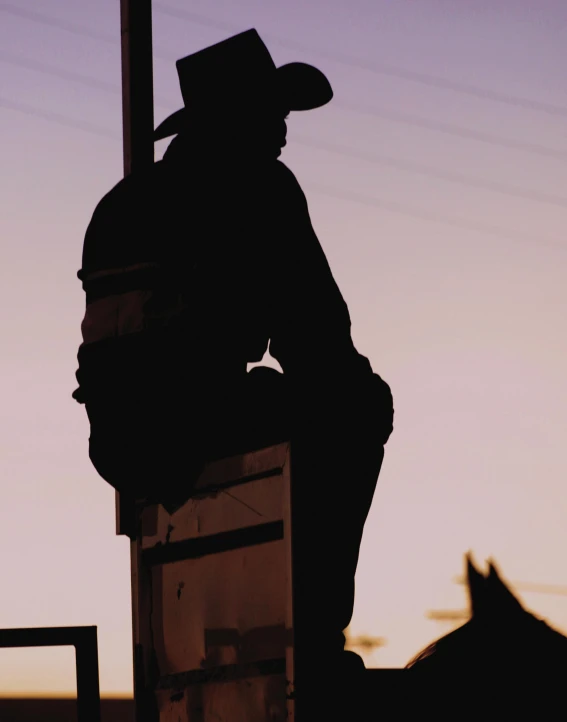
(241, 70)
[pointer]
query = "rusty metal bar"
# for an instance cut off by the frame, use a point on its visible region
(138, 152)
(223, 673)
(84, 639)
(137, 84)
(137, 133)
(213, 544)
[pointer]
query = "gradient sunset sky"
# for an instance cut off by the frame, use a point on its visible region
(437, 184)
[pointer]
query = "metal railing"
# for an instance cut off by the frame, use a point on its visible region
(84, 639)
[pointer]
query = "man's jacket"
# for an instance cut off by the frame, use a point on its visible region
(198, 272)
(190, 272)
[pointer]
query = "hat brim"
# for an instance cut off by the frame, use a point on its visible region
(299, 85)
(171, 125)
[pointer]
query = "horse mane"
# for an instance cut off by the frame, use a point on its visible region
(441, 645)
(423, 655)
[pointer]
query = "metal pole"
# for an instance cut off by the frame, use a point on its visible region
(138, 147)
(88, 690)
(84, 639)
(137, 84)
(137, 130)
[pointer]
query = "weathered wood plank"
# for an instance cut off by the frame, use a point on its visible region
(221, 609)
(245, 505)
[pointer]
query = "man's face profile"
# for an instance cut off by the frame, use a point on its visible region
(267, 129)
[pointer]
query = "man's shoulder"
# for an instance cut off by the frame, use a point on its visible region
(121, 220)
(133, 189)
(286, 184)
(285, 175)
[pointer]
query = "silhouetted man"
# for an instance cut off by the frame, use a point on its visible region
(192, 270)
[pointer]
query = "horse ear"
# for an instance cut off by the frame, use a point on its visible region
(477, 586)
(501, 595)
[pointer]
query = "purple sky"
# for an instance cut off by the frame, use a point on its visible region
(449, 121)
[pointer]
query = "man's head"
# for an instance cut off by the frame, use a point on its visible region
(251, 133)
(233, 92)
(259, 131)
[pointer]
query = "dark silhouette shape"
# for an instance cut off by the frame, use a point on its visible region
(497, 617)
(504, 658)
(191, 270)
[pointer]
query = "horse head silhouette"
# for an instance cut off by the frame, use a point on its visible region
(500, 635)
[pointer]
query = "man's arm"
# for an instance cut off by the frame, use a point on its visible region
(311, 323)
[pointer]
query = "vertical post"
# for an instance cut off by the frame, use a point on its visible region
(289, 610)
(137, 132)
(145, 701)
(88, 690)
(137, 84)
(138, 147)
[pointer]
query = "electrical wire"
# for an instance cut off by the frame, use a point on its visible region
(343, 59)
(87, 81)
(417, 213)
(340, 194)
(378, 68)
(452, 130)
(385, 114)
(427, 171)
(60, 24)
(385, 161)
(80, 30)
(58, 119)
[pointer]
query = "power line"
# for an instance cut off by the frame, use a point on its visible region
(60, 24)
(457, 131)
(44, 69)
(309, 142)
(406, 166)
(448, 615)
(87, 81)
(378, 68)
(553, 589)
(390, 206)
(195, 18)
(412, 212)
(457, 615)
(80, 30)
(435, 82)
(167, 103)
(365, 642)
(58, 119)
(444, 128)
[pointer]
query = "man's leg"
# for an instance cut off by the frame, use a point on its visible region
(335, 466)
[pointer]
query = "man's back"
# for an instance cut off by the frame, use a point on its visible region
(197, 235)
(219, 259)
(190, 270)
